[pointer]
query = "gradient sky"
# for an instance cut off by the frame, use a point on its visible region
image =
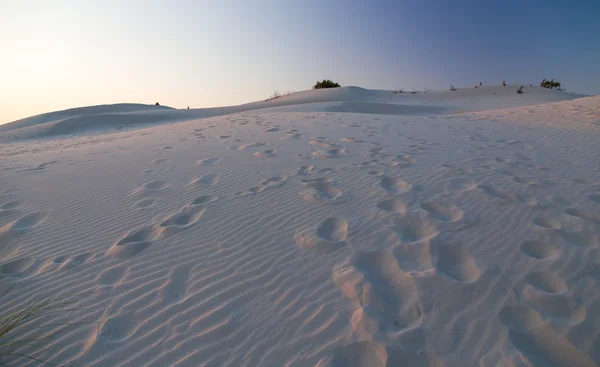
(62, 54)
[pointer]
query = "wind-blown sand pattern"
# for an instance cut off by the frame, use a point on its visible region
(329, 228)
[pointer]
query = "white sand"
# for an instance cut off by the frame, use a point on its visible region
(343, 227)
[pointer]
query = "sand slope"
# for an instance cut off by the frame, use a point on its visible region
(346, 99)
(79, 111)
(297, 236)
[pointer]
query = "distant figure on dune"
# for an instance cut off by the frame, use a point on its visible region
(480, 84)
(504, 83)
(157, 104)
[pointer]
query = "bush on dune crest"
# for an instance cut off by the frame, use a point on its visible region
(326, 83)
(550, 84)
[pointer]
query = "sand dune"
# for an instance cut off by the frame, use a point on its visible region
(346, 99)
(327, 228)
(78, 112)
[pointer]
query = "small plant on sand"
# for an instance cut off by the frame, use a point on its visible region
(520, 90)
(398, 91)
(276, 94)
(25, 328)
(452, 88)
(326, 83)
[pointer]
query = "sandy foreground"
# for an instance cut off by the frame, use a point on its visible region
(327, 228)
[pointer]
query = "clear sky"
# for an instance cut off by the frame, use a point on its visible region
(59, 54)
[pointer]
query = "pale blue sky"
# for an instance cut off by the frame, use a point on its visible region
(63, 54)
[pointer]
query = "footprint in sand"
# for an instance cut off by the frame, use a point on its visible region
(264, 185)
(205, 180)
(10, 206)
(305, 170)
(394, 184)
(25, 222)
(175, 289)
(387, 296)
(414, 228)
(17, 267)
(456, 263)
(333, 229)
(409, 349)
(208, 161)
(183, 219)
(584, 214)
(113, 276)
(498, 193)
(330, 153)
(274, 181)
(329, 170)
(117, 328)
(9, 191)
(373, 152)
(365, 164)
(329, 236)
(68, 262)
(144, 203)
(133, 242)
(39, 167)
(444, 213)
(525, 181)
(61, 259)
(82, 258)
(321, 141)
(160, 160)
(16, 228)
(205, 199)
(538, 250)
(415, 258)
(587, 238)
(546, 281)
(406, 158)
(392, 206)
(538, 342)
(153, 186)
(292, 134)
(253, 145)
(320, 189)
(546, 223)
(366, 353)
(595, 198)
(270, 153)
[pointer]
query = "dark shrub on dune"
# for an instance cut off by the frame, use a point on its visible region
(326, 83)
